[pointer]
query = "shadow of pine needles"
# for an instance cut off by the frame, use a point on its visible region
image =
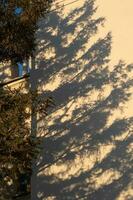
(87, 148)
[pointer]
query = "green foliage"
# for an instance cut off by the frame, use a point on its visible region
(18, 24)
(18, 147)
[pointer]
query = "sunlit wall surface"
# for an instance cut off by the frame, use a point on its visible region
(87, 138)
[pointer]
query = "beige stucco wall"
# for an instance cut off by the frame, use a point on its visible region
(119, 19)
(87, 137)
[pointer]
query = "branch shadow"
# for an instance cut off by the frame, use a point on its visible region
(87, 146)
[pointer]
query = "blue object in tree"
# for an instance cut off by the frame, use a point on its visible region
(28, 69)
(20, 69)
(18, 11)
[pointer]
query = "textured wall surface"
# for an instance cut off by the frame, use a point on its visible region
(119, 18)
(87, 137)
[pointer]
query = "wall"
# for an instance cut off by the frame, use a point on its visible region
(6, 73)
(87, 136)
(9, 72)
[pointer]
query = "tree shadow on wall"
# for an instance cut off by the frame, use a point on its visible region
(87, 152)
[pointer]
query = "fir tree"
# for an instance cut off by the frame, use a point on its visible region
(18, 24)
(18, 147)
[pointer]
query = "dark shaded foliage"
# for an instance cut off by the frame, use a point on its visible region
(18, 24)
(18, 146)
